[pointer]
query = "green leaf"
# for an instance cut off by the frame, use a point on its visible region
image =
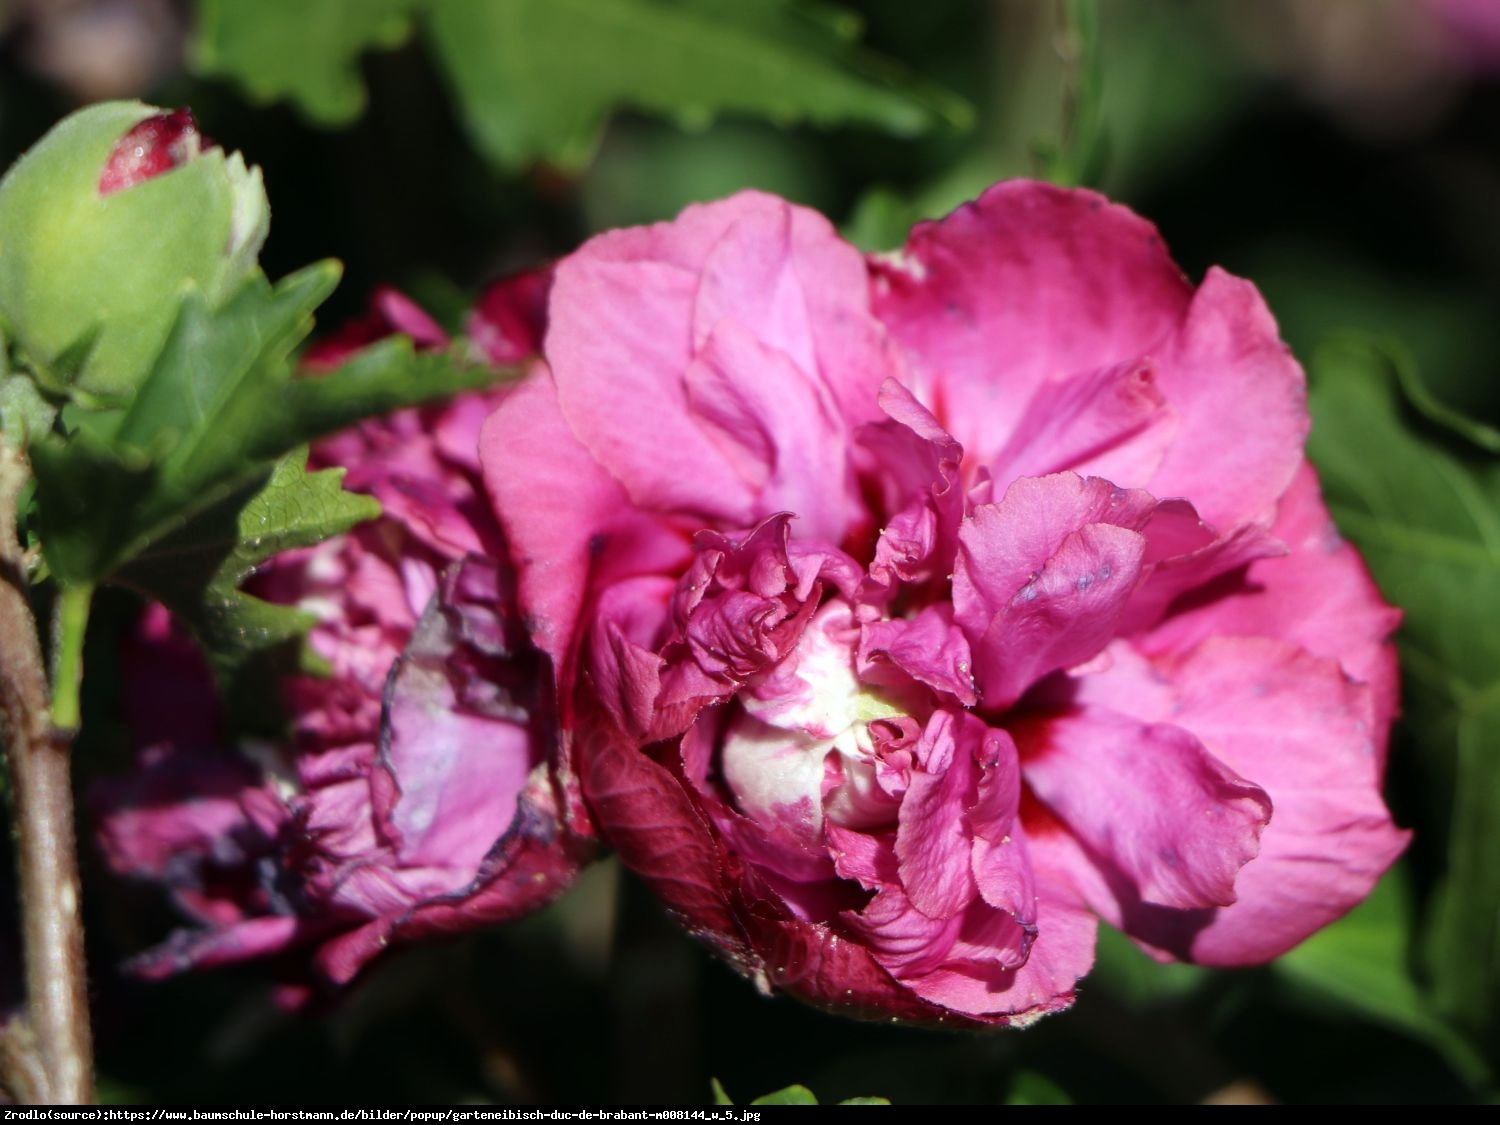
(865, 1101)
(1466, 913)
(1361, 962)
(792, 1095)
(721, 1097)
(1134, 978)
(219, 407)
(536, 79)
(1425, 512)
(1030, 1088)
(197, 570)
(304, 51)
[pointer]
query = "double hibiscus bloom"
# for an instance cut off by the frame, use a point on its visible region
(893, 618)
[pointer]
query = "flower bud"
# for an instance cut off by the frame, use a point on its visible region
(102, 225)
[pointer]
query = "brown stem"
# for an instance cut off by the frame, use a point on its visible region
(50, 1058)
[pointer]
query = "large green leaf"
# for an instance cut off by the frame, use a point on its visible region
(304, 51)
(1362, 962)
(1423, 505)
(536, 79)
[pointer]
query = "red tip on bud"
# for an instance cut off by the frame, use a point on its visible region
(158, 144)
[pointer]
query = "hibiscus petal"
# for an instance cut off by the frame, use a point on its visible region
(619, 349)
(569, 524)
(686, 358)
(1112, 422)
(1319, 596)
(777, 426)
(932, 837)
(1156, 811)
(1042, 579)
(657, 830)
(457, 769)
(1028, 282)
(1257, 393)
(1331, 837)
(929, 648)
(784, 274)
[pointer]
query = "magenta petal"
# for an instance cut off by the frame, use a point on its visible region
(459, 763)
(1157, 812)
(929, 648)
(783, 273)
(641, 320)
(1331, 837)
(1112, 422)
(205, 949)
(1319, 596)
(509, 320)
(1029, 280)
(1043, 577)
(659, 833)
(1257, 393)
(837, 973)
(1002, 867)
(391, 313)
(568, 522)
(619, 349)
(778, 428)
(917, 472)
(932, 840)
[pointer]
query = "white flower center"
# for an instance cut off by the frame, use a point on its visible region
(807, 724)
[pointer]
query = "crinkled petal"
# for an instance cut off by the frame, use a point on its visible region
(929, 648)
(932, 840)
(652, 330)
(1044, 576)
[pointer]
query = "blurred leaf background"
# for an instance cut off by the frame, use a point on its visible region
(1344, 154)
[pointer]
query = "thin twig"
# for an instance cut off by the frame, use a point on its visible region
(50, 1057)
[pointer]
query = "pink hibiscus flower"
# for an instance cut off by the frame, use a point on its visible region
(908, 614)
